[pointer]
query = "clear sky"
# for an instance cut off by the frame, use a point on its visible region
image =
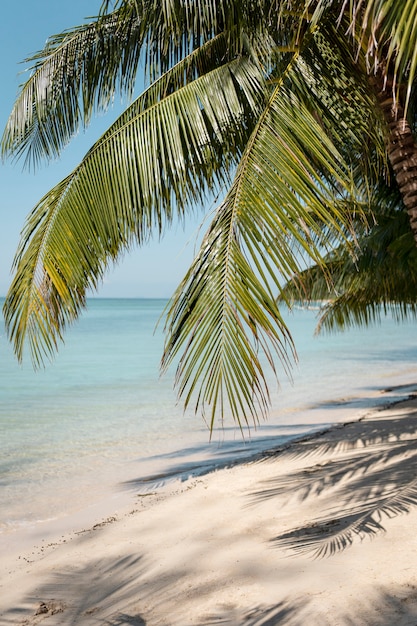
(153, 271)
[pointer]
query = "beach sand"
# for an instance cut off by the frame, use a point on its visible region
(320, 532)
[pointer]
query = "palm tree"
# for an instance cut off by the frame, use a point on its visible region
(283, 108)
(380, 278)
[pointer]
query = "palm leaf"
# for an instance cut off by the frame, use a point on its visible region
(80, 70)
(160, 156)
(225, 307)
(387, 30)
(379, 279)
(67, 83)
(333, 84)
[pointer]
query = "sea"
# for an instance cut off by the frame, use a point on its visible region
(99, 422)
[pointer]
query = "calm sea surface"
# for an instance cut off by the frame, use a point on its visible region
(100, 418)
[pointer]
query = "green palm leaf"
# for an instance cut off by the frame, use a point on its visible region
(159, 157)
(380, 278)
(80, 70)
(67, 83)
(225, 306)
(389, 34)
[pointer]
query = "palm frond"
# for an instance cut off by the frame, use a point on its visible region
(387, 30)
(336, 88)
(218, 308)
(77, 72)
(159, 157)
(225, 306)
(80, 70)
(377, 276)
(360, 309)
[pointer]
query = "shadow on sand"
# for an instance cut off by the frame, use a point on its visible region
(374, 474)
(386, 609)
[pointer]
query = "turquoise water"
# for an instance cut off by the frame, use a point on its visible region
(100, 419)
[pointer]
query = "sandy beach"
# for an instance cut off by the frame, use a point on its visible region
(319, 532)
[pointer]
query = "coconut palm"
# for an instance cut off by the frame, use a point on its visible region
(282, 108)
(380, 278)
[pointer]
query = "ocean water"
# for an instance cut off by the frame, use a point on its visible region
(100, 420)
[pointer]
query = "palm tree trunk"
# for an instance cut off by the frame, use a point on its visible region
(402, 151)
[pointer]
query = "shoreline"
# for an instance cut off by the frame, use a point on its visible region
(281, 538)
(80, 431)
(68, 497)
(180, 464)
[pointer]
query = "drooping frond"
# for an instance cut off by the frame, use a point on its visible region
(80, 71)
(77, 72)
(224, 314)
(159, 157)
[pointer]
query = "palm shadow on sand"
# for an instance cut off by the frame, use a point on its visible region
(83, 595)
(386, 609)
(370, 466)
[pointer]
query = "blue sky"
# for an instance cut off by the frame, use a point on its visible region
(153, 271)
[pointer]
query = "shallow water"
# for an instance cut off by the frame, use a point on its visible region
(99, 419)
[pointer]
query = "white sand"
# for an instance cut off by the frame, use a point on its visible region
(321, 533)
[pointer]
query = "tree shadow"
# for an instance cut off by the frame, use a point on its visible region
(367, 469)
(383, 609)
(370, 469)
(93, 593)
(128, 620)
(228, 454)
(282, 613)
(94, 603)
(84, 594)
